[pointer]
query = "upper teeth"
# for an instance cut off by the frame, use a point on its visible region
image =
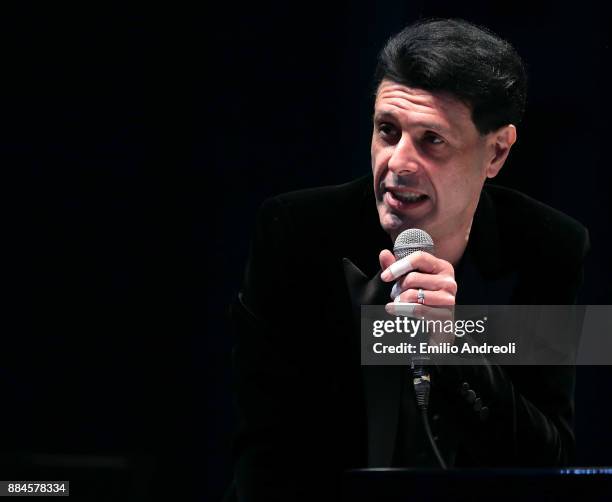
(407, 196)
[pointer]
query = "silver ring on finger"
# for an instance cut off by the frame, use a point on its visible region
(421, 296)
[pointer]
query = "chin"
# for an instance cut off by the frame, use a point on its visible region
(391, 223)
(394, 225)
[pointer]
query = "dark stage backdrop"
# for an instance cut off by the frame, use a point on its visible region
(138, 146)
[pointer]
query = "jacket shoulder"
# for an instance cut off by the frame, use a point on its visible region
(324, 198)
(533, 225)
(325, 212)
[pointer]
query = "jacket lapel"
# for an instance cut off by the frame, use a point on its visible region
(381, 384)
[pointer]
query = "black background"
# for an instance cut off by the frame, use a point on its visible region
(136, 147)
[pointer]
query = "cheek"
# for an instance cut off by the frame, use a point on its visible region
(380, 157)
(373, 153)
(462, 189)
(375, 163)
(373, 144)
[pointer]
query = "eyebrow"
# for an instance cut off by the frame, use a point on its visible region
(427, 125)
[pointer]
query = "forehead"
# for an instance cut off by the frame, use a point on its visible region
(409, 104)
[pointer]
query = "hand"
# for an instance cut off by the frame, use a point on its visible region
(420, 270)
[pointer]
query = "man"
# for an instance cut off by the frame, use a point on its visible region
(448, 98)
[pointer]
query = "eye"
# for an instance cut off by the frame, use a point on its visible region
(433, 138)
(387, 130)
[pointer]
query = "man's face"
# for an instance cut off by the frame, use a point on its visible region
(428, 159)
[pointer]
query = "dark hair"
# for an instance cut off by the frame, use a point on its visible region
(467, 61)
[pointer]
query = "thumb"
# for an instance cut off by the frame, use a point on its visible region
(386, 259)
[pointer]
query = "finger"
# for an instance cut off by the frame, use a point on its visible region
(419, 311)
(432, 298)
(429, 282)
(397, 269)
(402, 309)
(429, 264)
(386, 259)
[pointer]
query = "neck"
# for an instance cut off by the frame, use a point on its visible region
(452, 247)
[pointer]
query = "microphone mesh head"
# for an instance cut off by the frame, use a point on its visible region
(412, 240)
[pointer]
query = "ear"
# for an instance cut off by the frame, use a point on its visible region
(500, 144)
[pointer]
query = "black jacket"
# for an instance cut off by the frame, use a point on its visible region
(308, 410)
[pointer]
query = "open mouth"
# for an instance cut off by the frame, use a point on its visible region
(404, 200)
(408, 196)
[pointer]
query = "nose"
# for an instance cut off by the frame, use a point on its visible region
(404, 159)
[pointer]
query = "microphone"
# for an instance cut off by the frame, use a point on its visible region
(408, 242)
(412, 240)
